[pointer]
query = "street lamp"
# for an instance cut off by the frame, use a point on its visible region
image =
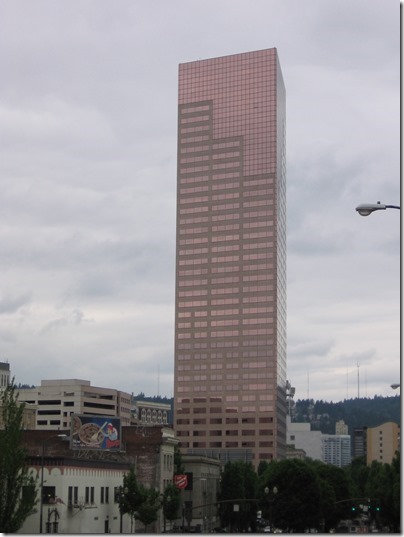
(122, 494)
(42, 471)
(271, 501)
(395, 386)
(365, 209)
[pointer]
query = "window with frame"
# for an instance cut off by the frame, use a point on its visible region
(104, 495)
(73, 495)
(89, 495)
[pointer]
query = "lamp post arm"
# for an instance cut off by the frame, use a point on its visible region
(365, 209)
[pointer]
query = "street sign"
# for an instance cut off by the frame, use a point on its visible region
(181, 481)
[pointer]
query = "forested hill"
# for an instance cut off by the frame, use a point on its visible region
(359, 412)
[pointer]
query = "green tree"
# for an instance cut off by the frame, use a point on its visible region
(381, 491)
(335, 494)
(171, 502)
(17, 487)
(132, 497)
(395, 493)
(148, 509)
(238, 487)
(178, 464)
(295, 506)
(262, 466)
(358, 473)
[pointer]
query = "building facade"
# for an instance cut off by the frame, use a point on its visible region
(4, 375)
(57, 400)
(149, 413)
(336, 449)
(301, 437)
(230, 333)
(199, 498)
(341, 427)
(382, 442)
(359, 447)
(81, 487)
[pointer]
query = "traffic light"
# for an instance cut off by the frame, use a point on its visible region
(353, 508)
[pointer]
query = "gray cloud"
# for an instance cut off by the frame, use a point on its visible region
(88, 124)
(12, 304)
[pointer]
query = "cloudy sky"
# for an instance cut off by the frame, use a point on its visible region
(88, 127)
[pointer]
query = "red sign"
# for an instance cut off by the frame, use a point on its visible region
(180, 481)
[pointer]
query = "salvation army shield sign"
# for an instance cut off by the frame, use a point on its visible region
(181, 481)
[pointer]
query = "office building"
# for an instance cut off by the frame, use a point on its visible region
(57, 400)
(382, 442)
(336, 449)
(359, 448)
(301, 437)
(230, 334)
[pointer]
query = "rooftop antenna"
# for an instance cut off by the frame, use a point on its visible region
(158, 380)
(357, 365)
(366, 382)
(308, 384)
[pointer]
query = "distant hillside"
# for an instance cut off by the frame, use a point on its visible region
(359, 412)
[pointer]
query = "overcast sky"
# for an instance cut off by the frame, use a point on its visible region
(88, 131)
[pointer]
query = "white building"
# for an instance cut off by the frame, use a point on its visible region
(302, 437)
(79, 498)
(336, 449)
(81, 487)
(150, 413)
(329, 448)
(57, 400)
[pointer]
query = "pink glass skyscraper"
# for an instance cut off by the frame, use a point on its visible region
(230, 333)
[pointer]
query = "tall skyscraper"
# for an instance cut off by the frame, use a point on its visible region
(230, 334)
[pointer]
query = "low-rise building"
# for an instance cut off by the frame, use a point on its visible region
(81, 487)
(149, 413)
(199, 498)
(56, 400)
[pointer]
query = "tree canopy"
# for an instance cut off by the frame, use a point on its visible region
(17, 486)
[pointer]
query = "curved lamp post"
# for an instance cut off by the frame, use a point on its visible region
(271, 501)
(365, 209)
(42, 470)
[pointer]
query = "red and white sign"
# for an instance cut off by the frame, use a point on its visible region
(181, 481)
